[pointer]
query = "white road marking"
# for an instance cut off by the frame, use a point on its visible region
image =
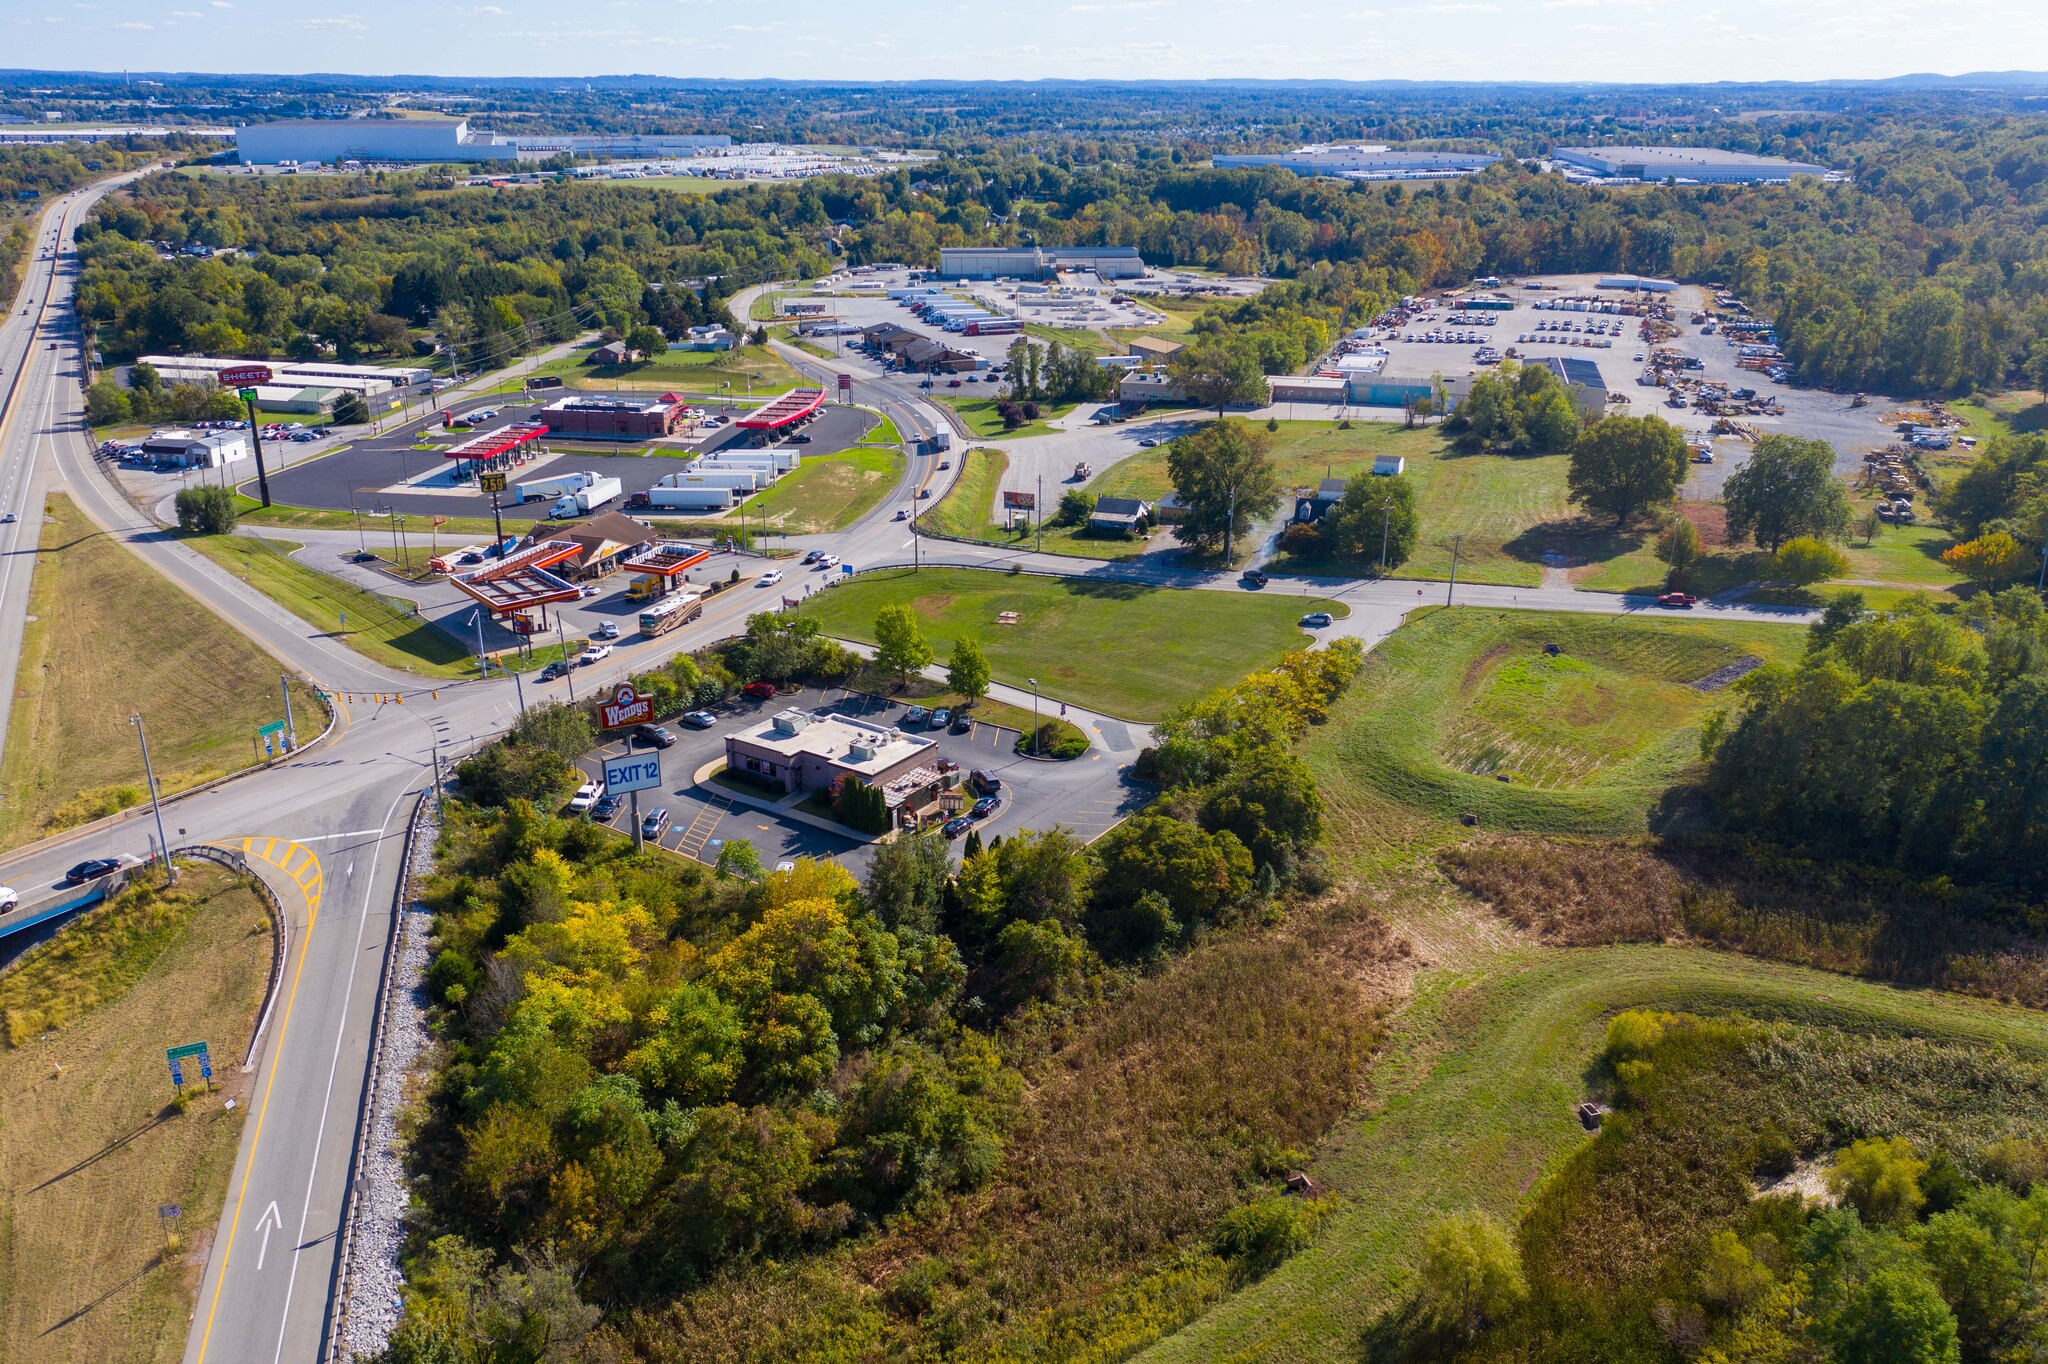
(271, 1221)
(325, 838)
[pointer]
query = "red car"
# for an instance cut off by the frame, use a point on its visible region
(760, 691)
(1682, 600)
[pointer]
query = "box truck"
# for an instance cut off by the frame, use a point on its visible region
(587, 499)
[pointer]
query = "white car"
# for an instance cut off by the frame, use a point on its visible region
(771, 577)
(585, 797)
(9, 898)
(829, 561)
(596, 653)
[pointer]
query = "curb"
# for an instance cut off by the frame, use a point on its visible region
(281, 948)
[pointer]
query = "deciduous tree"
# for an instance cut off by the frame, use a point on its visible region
(1623, 466)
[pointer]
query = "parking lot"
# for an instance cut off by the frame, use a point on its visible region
(1086, 795)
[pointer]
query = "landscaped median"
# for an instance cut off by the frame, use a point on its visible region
(1120, 649)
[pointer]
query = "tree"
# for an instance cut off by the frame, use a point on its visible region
(1788, 488)
(351, 410)
(1074, 509)
(900, 645)
(1216, 375)
(906, 883)
(648, 341)
(1622, 466)
(1375, 517)
(1896, 1316)
(1679, 546)
(387, 333)
(1198, 874)
(206, 510)
(105, 403)
(968, 672)
(1471, 1274)
(1880, 1178)
(565, 731)
(1224, 479)
(1803, 561)
(1992, 560)
(1270, 801)
(143, 377)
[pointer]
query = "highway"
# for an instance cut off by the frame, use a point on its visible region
(328, 823)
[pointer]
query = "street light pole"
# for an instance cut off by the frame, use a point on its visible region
(1034, 715)
(568, 668)
(149, 774)
(1386, 521)
(291, 731)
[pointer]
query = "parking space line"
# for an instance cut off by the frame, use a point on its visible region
(702, 827)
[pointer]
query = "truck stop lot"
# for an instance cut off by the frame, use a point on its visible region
(1086, 796)
(387, 473)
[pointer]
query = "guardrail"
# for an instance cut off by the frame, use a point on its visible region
(393, 945)
(280, 949)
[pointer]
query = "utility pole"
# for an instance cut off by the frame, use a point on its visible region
(1230, 527)
(569, 669)
(1457, 543)
(1034, 715)
(1038, 510)
(1386, 521)
(483, 667)
(291, 732)
(149, 774)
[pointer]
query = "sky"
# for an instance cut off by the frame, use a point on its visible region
(1552, 40)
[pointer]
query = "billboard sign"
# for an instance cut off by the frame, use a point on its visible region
(627, 707)
(243, 376)
(845, 383)
(634, 772)
(1020, 501)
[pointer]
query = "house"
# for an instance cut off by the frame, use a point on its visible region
(1314, 506)
(1153, 352)
(1119, 514)
(1583, 380)
(1169, 510)
(603, 544)
(711, 338)
(614, 353)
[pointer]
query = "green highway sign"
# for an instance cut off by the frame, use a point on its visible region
(274, 727)
(189, 1049)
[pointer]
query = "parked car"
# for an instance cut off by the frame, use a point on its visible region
(771, 577)
(607, 806)
(585, 797)
(1316, 620)
(916, 717)
(92, 870)
(596, 653)
(941, 718)
(985, 781)
(1683, 601)
(957, 826)
(655, 824)
(700, 719)
(985, 807)
(608, 630)
(760, 691)
(652, 736)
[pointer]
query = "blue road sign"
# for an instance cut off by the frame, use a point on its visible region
(635, 772)
(177, 1075)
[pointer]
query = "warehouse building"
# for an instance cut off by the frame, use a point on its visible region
(1686, 165)
(1364, 163)
(612, 418)
(1583, 378)
(1039, 262)
(320, 140)
(311, 386)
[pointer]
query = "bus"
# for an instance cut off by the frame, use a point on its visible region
(671, 612)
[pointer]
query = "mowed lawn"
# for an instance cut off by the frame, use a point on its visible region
(378, 627)
(828, 492)
(1461, 712)
(92, 1148)
(1122, 649)
(107, 638)
(700, 372)
(1472, 1108)
(968, 511)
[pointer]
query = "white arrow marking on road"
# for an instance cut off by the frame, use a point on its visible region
(271, 1221)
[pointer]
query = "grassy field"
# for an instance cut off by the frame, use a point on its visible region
(1082, 339)
(1124, 650)
(107, 637)
(90, 1151)
(967, 511)
(699, 372)
(1179, 325)
(379, 627)
(883, 432)
(828, 492)
(418, 530)
(982, 421)
(1457, 699)
(1471, 1107)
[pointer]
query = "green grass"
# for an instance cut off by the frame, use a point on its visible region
(982, 420)
(417, 530)
(108, 637)
(381, 628)
(697, 372)
(967, 511)
(883, 432)
(1472, 1108)
(1073, 338)
(827, 492)
(1457, 697)
(1121, 649)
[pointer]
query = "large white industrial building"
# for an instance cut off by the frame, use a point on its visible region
(1039, 262)
(311, 386)
(319, 140)
(1363, 163)
(1697, 165)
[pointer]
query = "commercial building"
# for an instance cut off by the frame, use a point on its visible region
(1151, 351)
(1297, 388)
(1364, 163)
(1583, 378)
(380, 387)
(1695, 165)
(791, 409)
(320, 140)
(1398, 390)
(604, 544)
(182, 449)
(612, 418)
(798, 750)
(1039, 262)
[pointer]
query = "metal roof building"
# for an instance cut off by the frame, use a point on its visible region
(1704, 165)
(1039, 262)
(1363, 163)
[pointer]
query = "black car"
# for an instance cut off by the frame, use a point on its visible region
(606, 807)
(92, 871)
(645, 736)
(1253, 578)
(984, 781)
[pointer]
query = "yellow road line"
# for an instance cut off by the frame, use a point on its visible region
(227, 1249)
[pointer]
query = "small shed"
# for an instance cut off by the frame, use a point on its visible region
(1386, 466)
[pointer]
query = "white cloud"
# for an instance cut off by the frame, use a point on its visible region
(136, 25)
(349, 21)
(222, 4)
